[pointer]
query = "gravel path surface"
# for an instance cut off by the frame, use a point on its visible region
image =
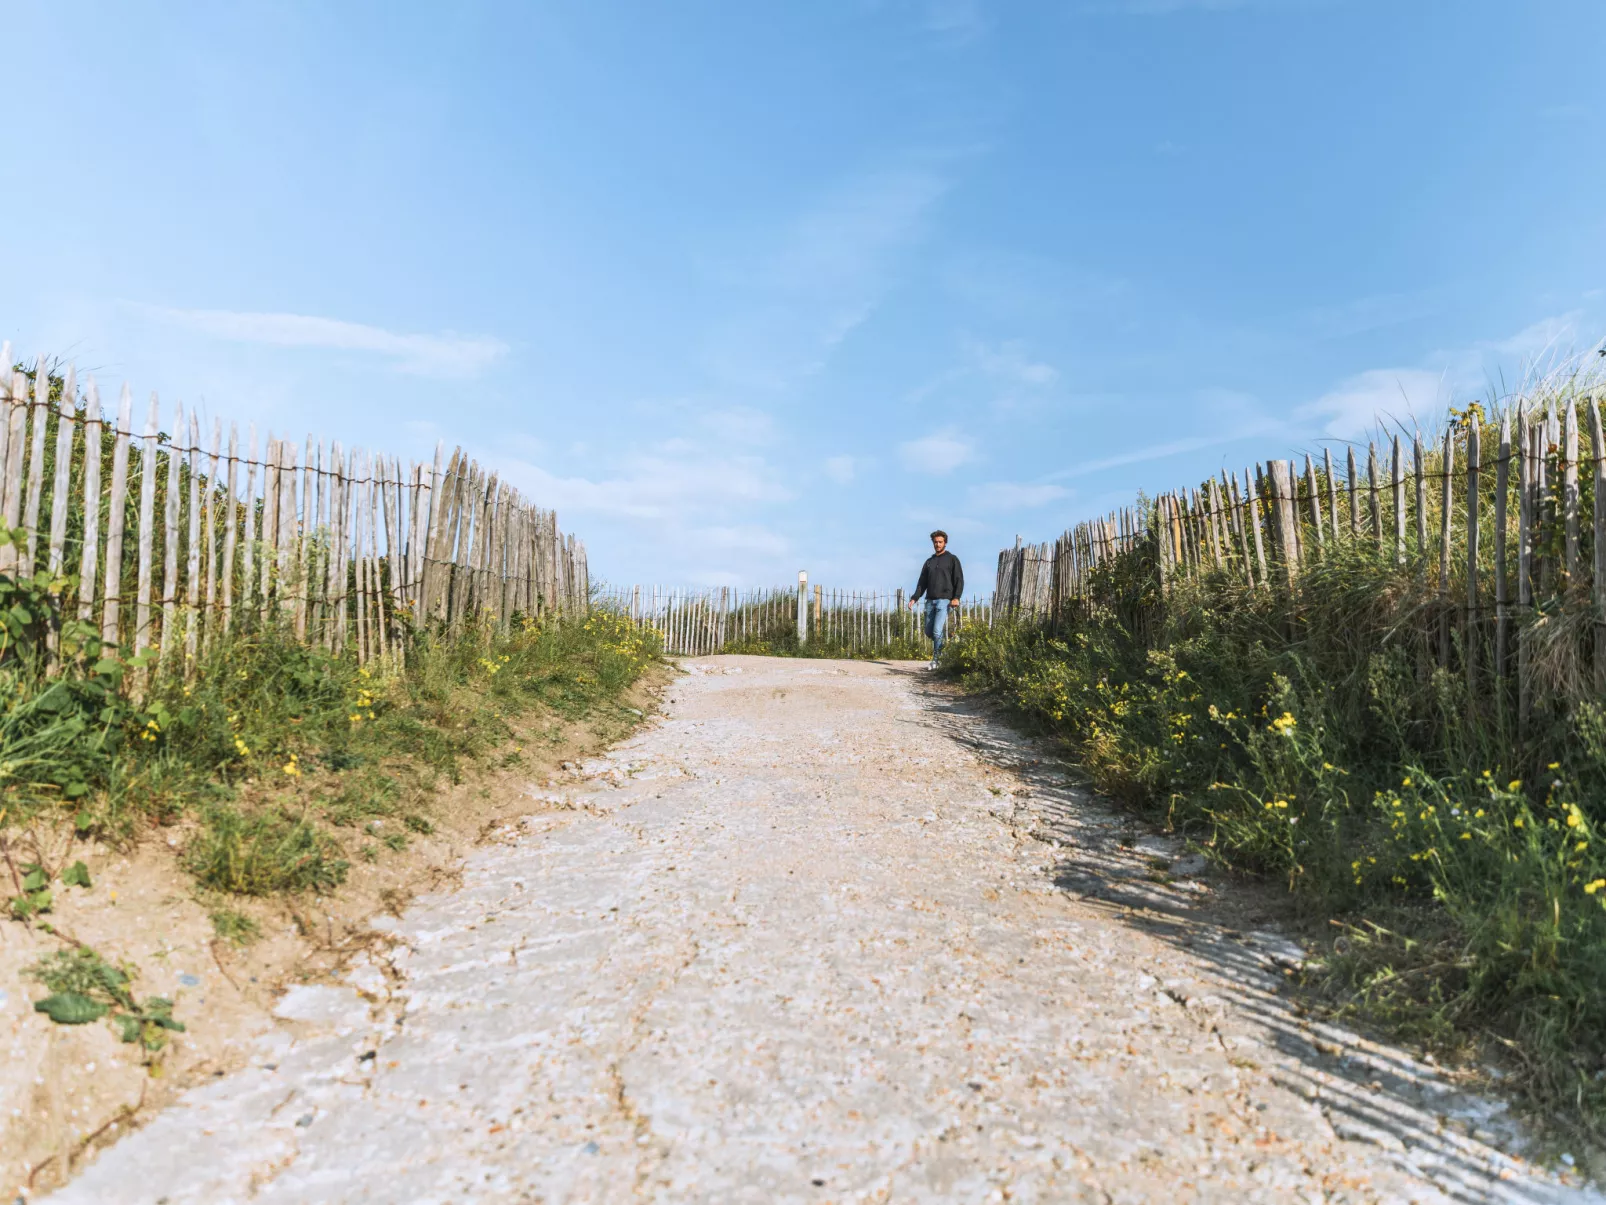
(822, 933)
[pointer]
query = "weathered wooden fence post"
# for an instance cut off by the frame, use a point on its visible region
(1598, 453)
(1445, 530)
(1282, 497)
(1502, 482)
(1474, 625)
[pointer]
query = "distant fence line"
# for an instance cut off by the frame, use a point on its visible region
(805, 618)
(176, 544)
(1509, 549)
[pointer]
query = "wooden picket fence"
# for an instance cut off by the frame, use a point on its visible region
(168, 545)
(1041, 579)
(1509, 549)
(815, 619)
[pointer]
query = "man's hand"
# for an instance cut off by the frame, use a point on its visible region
(913, 604)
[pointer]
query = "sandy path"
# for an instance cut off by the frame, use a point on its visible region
(821, 934)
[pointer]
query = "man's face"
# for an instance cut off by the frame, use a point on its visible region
(938, 543)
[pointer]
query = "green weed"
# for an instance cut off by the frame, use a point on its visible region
(264, 852)
(235, 927)
(84, 987)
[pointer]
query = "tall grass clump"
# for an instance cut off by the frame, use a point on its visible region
(1321, 734)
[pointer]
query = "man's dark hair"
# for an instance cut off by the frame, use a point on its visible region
(943, 534)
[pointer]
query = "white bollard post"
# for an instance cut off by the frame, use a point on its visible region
(802, 607)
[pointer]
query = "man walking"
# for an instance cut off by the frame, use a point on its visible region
(942, 581)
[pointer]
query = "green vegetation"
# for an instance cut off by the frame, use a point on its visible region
(84, 987)
(272, 749)
(235, 927)
(1314, 735)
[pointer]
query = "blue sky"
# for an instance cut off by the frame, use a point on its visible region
(744, 288)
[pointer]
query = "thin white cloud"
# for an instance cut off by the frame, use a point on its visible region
(1008, 361)
(1375, 312)
(740, 424)
(956, 20)
(841, 469)
(1420, 393)
(1543, 340)
(743, 538)
(939, 453)
(826, 276)
(1161, 451)
(659, 487)
(428, 355)
(1381, 395)
(1011, 495)
(1161, 8)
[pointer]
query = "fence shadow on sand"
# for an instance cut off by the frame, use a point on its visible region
(1368, 1090)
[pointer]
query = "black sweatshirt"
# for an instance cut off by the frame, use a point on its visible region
(941, 577)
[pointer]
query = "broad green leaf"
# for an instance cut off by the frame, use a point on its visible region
(75, 790)
(34, 877)
(31, 904)
(114, 982)
(130, 1026)
(71, 1008)
(76, 875)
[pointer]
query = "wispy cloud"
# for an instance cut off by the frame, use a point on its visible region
(1008, 361)
(428, 355)
(841, 469)
(743, 537)
(1543, 340)
(956, 20)
(1371, 313)
(939, 453)
(1160, 8)
(827, 275)
(1159, 451)
(1011, 495)
(672, 486)
(739, 425)
(1419, 393)
(1379, 395)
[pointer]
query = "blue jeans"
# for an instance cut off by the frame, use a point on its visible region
(936, 622)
